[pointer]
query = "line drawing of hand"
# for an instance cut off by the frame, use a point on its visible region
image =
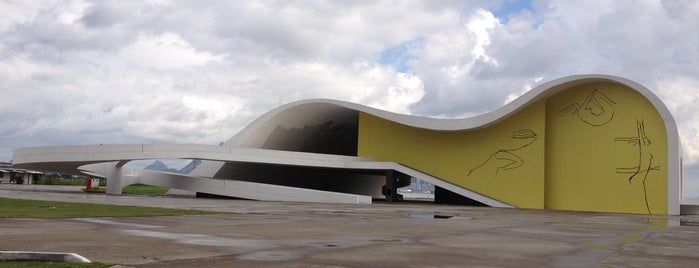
(506, 158)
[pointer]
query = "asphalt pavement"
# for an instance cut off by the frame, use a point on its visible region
(282, 234)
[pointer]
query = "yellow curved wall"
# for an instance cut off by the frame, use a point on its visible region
(451, 155)
(591, 167)
(573, 151)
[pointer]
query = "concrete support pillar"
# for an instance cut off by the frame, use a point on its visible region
(394, 180)
(115, 178)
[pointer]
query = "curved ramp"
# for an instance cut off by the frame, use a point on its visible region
(100, 159)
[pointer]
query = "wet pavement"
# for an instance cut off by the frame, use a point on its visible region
(263, 234)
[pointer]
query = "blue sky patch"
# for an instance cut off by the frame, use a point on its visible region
(399, 56)
(511, 7)
(680, 58)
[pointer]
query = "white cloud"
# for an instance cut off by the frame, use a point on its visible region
(681, 96)
(18, 12)
(527, 87)
(480, 26)
(167, 50)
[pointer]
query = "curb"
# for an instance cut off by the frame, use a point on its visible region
(41, 256)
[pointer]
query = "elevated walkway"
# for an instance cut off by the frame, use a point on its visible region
(108, 160)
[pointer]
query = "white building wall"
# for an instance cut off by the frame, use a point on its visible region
(4, 177)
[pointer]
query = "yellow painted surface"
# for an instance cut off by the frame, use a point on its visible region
(629, 238)
(594, 147)
(504, 161)
(593, 165)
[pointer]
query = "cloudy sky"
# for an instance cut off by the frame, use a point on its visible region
(83, 72)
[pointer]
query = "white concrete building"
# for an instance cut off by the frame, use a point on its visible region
(577, 143)
(9, 174)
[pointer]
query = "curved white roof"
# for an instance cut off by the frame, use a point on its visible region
(319, 106)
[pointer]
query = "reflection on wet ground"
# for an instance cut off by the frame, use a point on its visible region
(428, 216)
(689, 223)
(408, 234)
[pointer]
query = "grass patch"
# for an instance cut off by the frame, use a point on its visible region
(136, 189)
(25, 264)
(22, 208)
(144, 189)
(54, 180)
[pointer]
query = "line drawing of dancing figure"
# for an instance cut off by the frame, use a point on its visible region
(597, 109)
(644, 160)
(507, 159)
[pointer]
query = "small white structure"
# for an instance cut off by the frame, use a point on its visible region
(9, 174)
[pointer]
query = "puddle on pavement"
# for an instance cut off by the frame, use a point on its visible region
(386, 240)
(429, 216)
(277, 255)
(203, 239)
(116, 224)
(689, 223)
(256, 213)
(661, 223)
(629, 238)
(261, 249)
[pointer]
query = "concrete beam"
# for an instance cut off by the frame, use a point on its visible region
(42, 256)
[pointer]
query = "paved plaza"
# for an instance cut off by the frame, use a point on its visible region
(265, 234)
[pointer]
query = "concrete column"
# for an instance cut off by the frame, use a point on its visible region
(114, 179)
(394, 180)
